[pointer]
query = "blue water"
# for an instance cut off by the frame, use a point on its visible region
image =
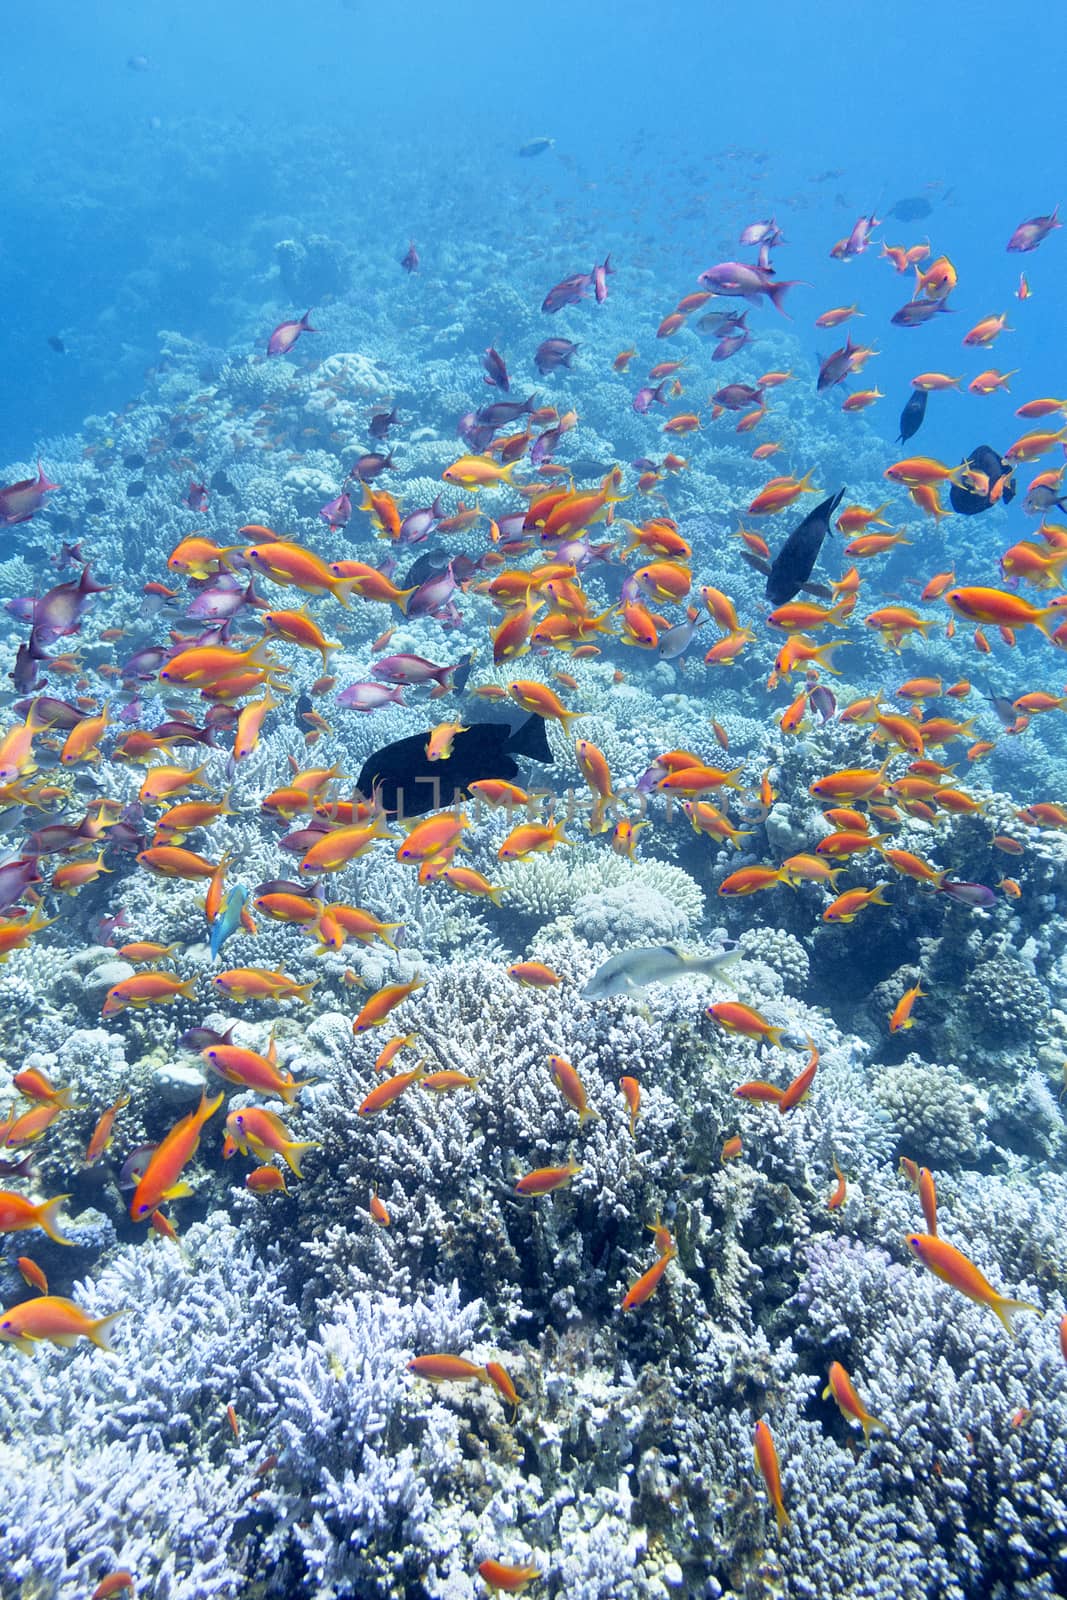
(136, 201)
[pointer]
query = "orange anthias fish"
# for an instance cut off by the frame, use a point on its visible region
(56, 1319)
(766, 1457)
(162, 1178)
(848, 1401)
(955, 1269)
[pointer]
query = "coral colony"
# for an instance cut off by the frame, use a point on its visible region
(535, 969)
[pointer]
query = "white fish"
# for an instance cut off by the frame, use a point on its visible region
(633, 970)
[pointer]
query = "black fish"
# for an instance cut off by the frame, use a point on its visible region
(818, 591)
(428, 565)
(983, 459)
(912, 208)
(911, 418)
(410, 785)
(792, 566)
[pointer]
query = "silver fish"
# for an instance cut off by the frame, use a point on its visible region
(633, 970)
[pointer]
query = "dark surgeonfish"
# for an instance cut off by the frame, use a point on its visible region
(792, 566)
(911, 418)
(408, 783)
(968, 502)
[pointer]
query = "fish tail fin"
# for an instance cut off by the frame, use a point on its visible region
(1045, 616)
(877, 897)
(402, 598)
(48, 1219)
(294, 1153)
(302, 991)
(100, 1330)
(1007, 1308)
(775, 293)
(290, 1089)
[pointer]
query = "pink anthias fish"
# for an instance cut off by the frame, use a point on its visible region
(762, 233)
(1028, 235)
(747, 282)
(58, 614)
(196, 497)
(568, 291)
(858, 240)
(410, 670)
(337, 513)
(369, 696)
(18, 501)
(286, 334)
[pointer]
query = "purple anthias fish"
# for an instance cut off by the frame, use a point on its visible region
(645, 397)
(837, 366)
(600, 279)
(144, 664)
(196, 497)
(860, 239)
(381, 422)
(28, 658)
(420, 523)
(410, 262)
(496, 373)
(568, 292)
(736, 396)
(730, 346)
(747, 283)
(221, 597)
(757, 233)
(580, 552)
(337, 513)
(369, 696)
(408, 671)
(431, 596)
(823, 703)
(15, 878)
(978, 896)
(286, 334)
(545, 445)
(1028, 235)
(501, 412)
(474, 434)
(553, 353)
(371, 466)
(60, 715)
(58, 613)
(18, 501)
(916, 312)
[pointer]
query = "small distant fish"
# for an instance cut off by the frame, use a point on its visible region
(410, 262)
(535, 147)
(913, 208)
(55, 343)
(632, 970)
(139, 63)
